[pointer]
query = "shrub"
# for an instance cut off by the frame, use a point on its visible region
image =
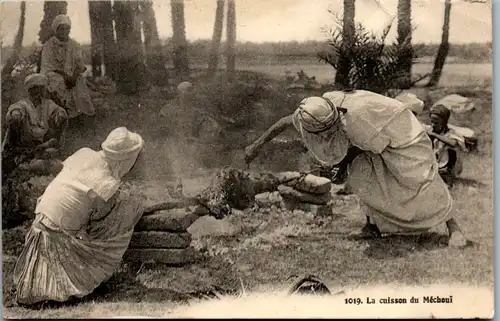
(374, 66)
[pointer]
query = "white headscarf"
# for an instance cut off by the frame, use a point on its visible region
(121, 149)
(61, 19)
(35, 80)
(319, 123)
(184, 87)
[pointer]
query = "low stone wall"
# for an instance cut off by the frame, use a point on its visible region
(162, 237)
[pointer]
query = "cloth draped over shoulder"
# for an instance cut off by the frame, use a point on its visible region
(59, 56)
(65, 56)
(73, 246)
(396, 178)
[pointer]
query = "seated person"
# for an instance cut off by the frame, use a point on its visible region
(63, 64)
(447, 144)
(35, 128)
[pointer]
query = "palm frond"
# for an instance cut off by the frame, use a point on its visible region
(373, 65)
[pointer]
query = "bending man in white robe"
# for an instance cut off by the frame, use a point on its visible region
(392, 167)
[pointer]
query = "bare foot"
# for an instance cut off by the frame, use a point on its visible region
(368, 231)
(458, 240)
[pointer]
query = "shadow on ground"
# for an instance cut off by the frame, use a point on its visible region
(402, 246)
(130, 284)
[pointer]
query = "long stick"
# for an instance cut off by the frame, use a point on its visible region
(177, 203)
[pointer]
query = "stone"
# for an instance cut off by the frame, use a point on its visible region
(291, 194)
(311, 184)
(209, 225)
(262, 199)
(156, 239)
(167, 221)
(314, 209)
(163, 256)
(310, 216)
(298, 212)
(267, 199)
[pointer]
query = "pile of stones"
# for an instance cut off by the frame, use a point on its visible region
(308, 193)
(162, 237)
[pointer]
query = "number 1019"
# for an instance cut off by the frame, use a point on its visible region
(356, 301)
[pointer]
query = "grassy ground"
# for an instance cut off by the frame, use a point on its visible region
(263, 248)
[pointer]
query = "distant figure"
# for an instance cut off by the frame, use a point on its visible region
(389, 156)
(448, 144)
(63, 65)
(184, 87)
(35, 127)
(289, 77)
(82, 226)
(302, 76)
(183, 94)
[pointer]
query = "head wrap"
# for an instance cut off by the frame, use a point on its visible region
(60, 20)
(122, 144)
(411, 102)
(35, 80)
(317, 114)
(184, 87)
(318, 121)
(121, 149)
(441, 111)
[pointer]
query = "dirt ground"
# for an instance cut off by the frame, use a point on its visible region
(259, 249)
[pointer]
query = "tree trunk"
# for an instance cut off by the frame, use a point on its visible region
(216, 38)
(404, 42)
(18, 44)
(96, 26)
(131, 73)
(109, 48)
(231, 40)
(8, 85)
(155, 59)
(50, 10)
(443, 47)
(179, 41)
(348, 32)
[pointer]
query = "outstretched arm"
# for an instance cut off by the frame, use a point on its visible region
(276, 129)
(449, 141)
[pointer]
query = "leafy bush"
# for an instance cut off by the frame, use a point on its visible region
(374, 65)
(28, 61)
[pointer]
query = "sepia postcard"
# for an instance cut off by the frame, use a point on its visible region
(247, 159)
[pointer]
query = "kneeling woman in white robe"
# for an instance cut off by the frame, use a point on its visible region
(392, 167)
(82, 226)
